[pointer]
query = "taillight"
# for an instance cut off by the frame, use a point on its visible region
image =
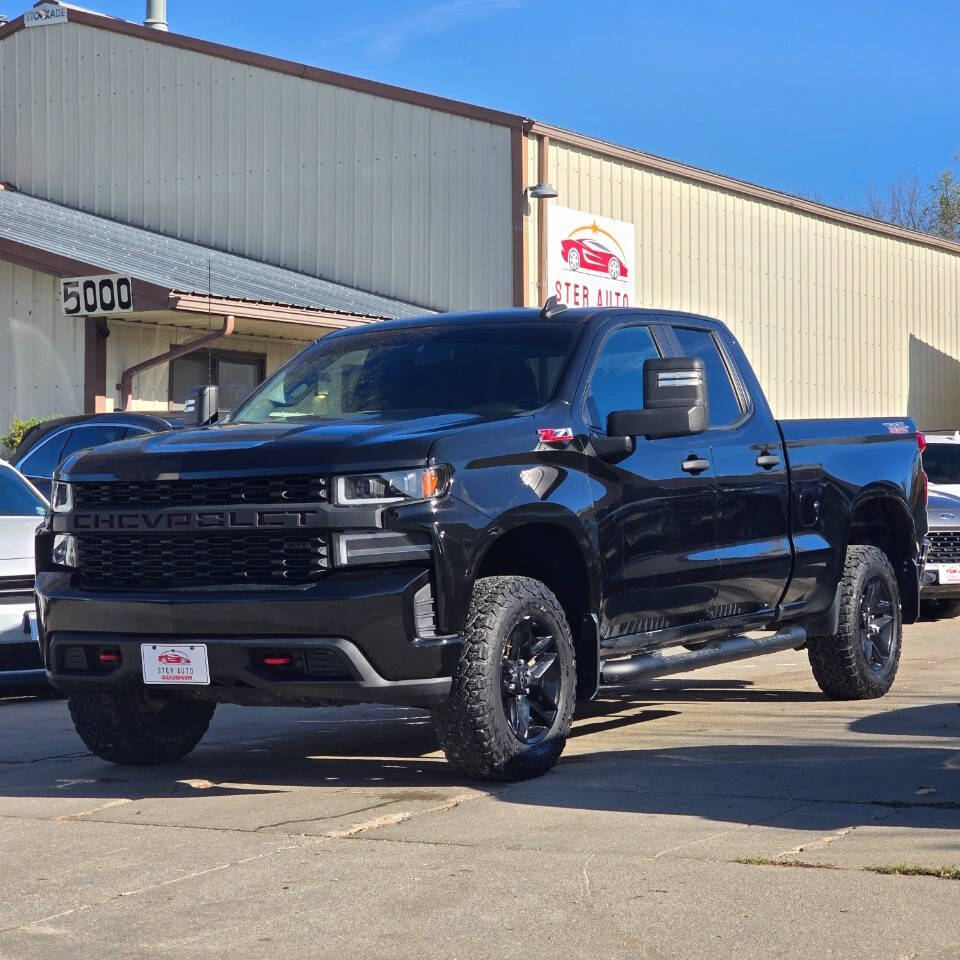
(921, 441)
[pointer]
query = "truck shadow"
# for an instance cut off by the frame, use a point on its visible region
(383, 755)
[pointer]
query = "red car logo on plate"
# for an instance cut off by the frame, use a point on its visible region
(172, 656)
(594, 256)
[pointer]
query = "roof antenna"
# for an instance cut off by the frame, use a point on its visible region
(552, 308)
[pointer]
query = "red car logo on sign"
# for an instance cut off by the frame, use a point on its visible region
(172, 656)
(592, 255)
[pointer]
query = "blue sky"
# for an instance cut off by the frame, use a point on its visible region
(822, 99)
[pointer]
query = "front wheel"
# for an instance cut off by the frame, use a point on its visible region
(860, 660)
(139, 727)
(512, 699)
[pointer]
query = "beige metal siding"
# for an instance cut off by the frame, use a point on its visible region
(131, 342)
(41, 357)
(385, 196)
(837, 321)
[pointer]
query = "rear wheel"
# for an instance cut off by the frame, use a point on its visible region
(511, 703)
(137, 727)
(860, 661)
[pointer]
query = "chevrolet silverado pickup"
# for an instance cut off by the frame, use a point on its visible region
(489, 515)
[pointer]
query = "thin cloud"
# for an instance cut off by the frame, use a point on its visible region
(386, 39)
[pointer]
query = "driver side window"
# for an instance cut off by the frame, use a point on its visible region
(616, 382)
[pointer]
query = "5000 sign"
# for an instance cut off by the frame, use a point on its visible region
(93, 296)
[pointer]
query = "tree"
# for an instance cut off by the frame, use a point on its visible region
(933, 209)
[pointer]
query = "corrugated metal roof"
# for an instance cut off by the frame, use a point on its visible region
(179, 265)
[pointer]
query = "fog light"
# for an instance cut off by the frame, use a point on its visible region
(353, 549)
(64, 551)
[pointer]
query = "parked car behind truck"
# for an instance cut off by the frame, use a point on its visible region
(484, 514)
(21, 510)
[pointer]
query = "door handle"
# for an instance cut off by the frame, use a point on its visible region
(768, 461)
(695, 465)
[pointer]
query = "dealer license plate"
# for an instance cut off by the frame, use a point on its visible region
(947, 572)
(175, 663)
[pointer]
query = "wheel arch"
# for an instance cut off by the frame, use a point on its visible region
(881, 518)
(557, 551)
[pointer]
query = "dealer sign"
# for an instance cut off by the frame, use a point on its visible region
(590, 260)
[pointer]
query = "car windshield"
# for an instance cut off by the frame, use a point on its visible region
(496, 369)
(942, 462)
(17, 499)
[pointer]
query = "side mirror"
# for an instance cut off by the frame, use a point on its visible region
(200, 407)
(674, 399)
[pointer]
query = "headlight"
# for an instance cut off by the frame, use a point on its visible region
(61, 497)
(394, 486)
(64, 551)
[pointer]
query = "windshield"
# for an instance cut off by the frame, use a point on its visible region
(490, 370)
(17, 499)
(942, 462)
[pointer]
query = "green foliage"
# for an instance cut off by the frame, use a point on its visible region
(11, 439)
(944, 206)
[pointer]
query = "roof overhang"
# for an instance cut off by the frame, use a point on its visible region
(150, 297)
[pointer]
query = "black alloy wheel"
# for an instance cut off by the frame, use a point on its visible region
(530, 680)
(877, 625)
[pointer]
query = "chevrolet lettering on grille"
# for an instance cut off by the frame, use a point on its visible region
(196, 520)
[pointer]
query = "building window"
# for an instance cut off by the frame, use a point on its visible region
(236, 374)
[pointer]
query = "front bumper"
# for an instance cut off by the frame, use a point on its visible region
(364, 620)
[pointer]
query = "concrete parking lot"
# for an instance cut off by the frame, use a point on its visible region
(729, 813)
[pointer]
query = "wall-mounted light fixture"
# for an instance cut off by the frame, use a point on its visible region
(542, 191)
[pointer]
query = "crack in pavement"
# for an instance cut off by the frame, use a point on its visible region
(149, 887)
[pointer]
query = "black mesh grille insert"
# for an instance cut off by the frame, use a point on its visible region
(223, 491)
(186, 559)
(20, 656)
(945, 546)
(327, 665)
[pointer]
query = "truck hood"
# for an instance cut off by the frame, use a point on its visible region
(234, 449)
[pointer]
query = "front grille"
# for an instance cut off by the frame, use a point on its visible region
(944, 546)
(221, 491)
(20, 656)
(192, 559)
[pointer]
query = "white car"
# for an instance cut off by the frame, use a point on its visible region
(941, 462)
(21, 509)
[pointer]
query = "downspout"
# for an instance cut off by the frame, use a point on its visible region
(543, 175)
(125, 386)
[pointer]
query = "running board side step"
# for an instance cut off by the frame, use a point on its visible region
(645, 666)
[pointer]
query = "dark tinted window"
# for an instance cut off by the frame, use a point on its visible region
(95, 436)
(942, 462)
(494, 370)
(724, 405)
(16, 498)
(43, 459)
(617, 379)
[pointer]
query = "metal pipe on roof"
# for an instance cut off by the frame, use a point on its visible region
(125, 386)
(156, 15)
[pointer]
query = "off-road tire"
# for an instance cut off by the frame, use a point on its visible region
(127, 728)
(471, 724)
(839, 664)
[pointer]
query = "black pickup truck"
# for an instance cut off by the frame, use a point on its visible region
(490, 515)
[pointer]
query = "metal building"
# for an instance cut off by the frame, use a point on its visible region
(318, 200)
